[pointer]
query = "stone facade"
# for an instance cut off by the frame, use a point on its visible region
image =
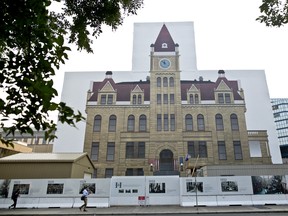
(168, 126)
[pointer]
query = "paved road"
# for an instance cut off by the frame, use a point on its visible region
(274, 210)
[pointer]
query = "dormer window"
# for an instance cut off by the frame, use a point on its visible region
(164, 45)
(224, 98)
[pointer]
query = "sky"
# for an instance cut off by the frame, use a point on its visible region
(227, 36)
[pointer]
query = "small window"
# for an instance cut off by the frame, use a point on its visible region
(112, 123)
(237, 150)
(220, 98)
(191, 149)
(108, 172)
(110, 151)
(134, 99)
(139, 99)
(94, 151)
(131, 123)
(97, 123)
(172, 122)
(172, 99)
(171, 82)
(200, 122)
(234, 122)
(166, 122)
(158, 81)
(196, 99)
(164, 45)
(165, 81)
(158, 98)
(165, 99)
(222, 150)
(227, 98)
(159, 122)
(219, 122)
(103, 99)
(110, 99)
(142, 123)
(202, 149)
(188, 122)
(191, 99)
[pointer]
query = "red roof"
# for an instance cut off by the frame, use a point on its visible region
(164, 37)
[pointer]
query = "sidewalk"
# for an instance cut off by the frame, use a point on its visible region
(141, 210)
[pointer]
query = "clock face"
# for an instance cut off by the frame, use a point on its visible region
(165, 63)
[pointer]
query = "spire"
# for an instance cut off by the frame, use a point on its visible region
(164, 41)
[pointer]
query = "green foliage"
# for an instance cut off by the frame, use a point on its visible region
(274, 12)
(32, 47)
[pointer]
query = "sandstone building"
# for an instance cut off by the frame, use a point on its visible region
(167, 126)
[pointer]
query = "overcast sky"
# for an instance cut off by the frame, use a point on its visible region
(226, 33)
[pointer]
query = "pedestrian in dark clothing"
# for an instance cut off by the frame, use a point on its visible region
(14, 197)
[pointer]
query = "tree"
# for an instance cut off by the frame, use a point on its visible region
(34, 43)
(275, 12)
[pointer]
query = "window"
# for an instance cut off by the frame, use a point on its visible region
(135, 150)
(134, 172)
(164, 45)
(171, 82)
(222, 150)
(112, 123)
(95, 151)
(110, 99)
(237, 150)
(196, 99)
(139, 99)
(108, 172)
(110, 151)
(159, 122)
(94, 175)
(142, 123)
(172, 99)
(219, 122)
(165, 81)
(234, 122)
(188, 122)
(131, 123)
(97, 123)
(158, 82)
(134, 99)
(165, 100)
(158, 98)
(227, 98)
(220, 98)
(103, 99)
(200, 122)
(191, 99)
(172, 122)
(191, 149)
(166, 122)
(202, 149)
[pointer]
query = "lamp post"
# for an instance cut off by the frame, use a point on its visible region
(151, 167)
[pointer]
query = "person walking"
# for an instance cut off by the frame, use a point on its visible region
(14, 197)
(84, 197)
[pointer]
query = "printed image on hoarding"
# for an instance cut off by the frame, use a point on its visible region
(191, 187)
(24, 188)
(229, 186)
(269, 185)
(4, 188)
(156, 187)
(91, 187)
(55, 188)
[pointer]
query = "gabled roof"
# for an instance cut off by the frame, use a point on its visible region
(164, 37)
(206, 89)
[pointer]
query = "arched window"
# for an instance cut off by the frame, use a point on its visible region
(196, 99)
(219, 122)
(171, 81)
(112, 123)
(164, 45)
(234, 122)
(200, 122)
(134, 99)
(188, 122)
(165, 81)
(139, 99)
(142, 123)
(97, 123)
(131, 123)
(158, 81)
(191, 99)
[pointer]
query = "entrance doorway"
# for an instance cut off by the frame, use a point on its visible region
(166, 161)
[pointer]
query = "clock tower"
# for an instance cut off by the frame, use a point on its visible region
(165, 100)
